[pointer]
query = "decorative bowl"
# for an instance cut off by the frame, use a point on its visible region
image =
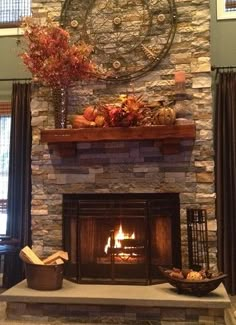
(194, 287)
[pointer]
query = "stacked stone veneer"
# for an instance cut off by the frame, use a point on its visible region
(132, 166)
(118, 315)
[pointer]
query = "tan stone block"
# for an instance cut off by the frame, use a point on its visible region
(202, 82)
(216, 312)
(173, 314)
(16, 308)
(205, 177)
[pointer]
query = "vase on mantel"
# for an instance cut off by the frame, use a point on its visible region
(60, 104)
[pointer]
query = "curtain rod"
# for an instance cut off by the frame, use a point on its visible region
(15, 79)
(213, 67)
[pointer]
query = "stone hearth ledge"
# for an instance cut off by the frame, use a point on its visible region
(160, 295)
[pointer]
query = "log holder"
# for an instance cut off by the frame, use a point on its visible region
(197, 239)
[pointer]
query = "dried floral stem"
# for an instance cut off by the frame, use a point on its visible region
(52, 58)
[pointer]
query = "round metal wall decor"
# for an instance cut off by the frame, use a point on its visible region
(129, 37)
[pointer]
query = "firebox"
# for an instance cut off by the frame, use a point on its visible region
(121, 238)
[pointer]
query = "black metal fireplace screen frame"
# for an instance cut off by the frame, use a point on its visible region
(79, 206)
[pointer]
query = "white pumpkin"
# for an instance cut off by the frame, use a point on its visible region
(165, 116)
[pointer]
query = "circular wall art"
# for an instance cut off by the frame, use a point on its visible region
(129, 37)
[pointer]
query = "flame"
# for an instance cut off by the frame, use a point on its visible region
(119, 236)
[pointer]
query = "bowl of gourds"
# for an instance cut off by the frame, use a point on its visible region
(188, 281)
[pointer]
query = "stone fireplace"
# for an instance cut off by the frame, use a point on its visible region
(80, 188)
(140, 166)
(122, 168)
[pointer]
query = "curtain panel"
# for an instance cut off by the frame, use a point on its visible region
(19, 184)
(225, 172)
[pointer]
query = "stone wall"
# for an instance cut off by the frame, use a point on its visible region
(131, 166)
(117, 315)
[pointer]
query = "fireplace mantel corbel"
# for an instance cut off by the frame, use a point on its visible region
(168, 137)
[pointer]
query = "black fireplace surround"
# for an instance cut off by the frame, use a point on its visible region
(121, 238)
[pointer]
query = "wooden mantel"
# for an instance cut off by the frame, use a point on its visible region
(167, 134)
(158, 132)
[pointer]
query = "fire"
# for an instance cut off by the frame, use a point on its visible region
(119, 236)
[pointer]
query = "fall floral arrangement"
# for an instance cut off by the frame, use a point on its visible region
(52, 58)
(127, 112)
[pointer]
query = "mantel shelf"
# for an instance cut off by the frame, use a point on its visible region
(158, 132)
(167, 134)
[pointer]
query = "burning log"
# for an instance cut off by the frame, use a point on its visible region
(132, 243)
(131, 247)
(124, 245)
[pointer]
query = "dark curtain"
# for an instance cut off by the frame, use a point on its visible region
(225, 151)
(19, 188)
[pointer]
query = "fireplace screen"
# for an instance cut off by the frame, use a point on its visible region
(120, 238)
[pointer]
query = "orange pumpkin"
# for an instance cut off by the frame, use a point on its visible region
(90, 113)
(79, 121)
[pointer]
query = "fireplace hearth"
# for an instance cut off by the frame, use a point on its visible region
(121, 238)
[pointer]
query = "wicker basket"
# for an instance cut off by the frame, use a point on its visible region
(44, 277)
(194, 287)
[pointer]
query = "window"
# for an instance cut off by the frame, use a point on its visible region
(230, 5)
(5, 125)
(12, 11)
(226, 9)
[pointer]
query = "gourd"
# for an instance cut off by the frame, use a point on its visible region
(193, 275)
(90, 113)
(79, 121)
(165, 116)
